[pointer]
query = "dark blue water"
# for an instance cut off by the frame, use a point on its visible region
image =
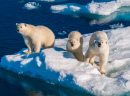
(11, 12)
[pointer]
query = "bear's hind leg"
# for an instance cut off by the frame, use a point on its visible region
(48, 46)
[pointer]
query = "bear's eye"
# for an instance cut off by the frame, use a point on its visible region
(102, 42)
(21, 27)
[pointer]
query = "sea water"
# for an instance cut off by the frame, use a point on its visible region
(62, 17)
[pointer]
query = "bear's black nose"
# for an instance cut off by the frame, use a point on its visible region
(72, 44)
(99, 45)
(18, 30)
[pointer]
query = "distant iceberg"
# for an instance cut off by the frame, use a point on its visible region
(57, 66)
(31, 6)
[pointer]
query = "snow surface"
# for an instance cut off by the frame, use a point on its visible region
(31, 6)
(57, 66)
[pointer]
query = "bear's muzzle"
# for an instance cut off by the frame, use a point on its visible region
(99, 44)
(72, 44)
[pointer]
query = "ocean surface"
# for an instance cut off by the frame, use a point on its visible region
(61, 20)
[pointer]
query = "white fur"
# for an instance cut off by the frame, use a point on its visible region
(75, 45)
(36, 36)
(98, 46)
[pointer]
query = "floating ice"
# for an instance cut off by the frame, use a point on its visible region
(57, 66)
(104, 8)
(59, 8)
(116, 26)
(31, 6)
(98, 12)
(52, 0)
(65, 7)
(62, 33)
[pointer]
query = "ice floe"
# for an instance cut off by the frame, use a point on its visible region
(52, 0)
(117, 26)
(31, 6)
(97, 11)
(62, 33)
(99, 8)
(57, 66)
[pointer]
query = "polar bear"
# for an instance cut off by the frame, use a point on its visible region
(98, 46)
(36, 36)
(75, 45)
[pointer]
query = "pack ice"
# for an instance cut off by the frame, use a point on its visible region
(57, 66)
(97, 11)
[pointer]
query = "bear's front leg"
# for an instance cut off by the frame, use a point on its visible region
(102, 69)
(102, 63)
(29, 45)
(30, 49)
(37, 47)
(89, 57)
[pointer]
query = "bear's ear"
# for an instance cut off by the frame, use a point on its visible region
(25, 25)
(16, 24)
(95, 41)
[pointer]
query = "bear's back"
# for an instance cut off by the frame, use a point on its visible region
(46, 35)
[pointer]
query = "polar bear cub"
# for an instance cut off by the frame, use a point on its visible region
(36, 36)
(98, 46)
(75, 45)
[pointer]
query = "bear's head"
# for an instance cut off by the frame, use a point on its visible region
(101, 43)
(22, 28)
(73, 43)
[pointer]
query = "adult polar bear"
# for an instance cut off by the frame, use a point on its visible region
(98, 46)
(36, 36)
(75, 45)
